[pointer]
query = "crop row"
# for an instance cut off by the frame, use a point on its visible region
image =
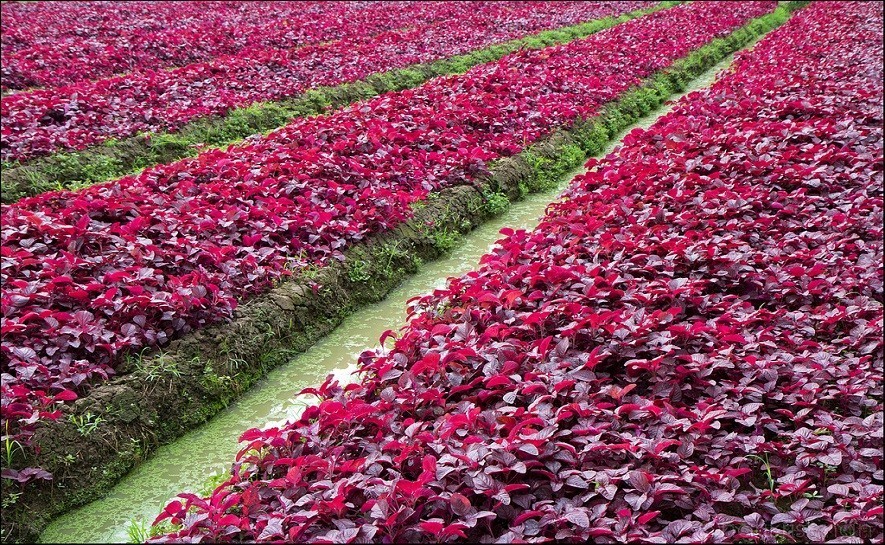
(89, 276)
(50, 45)
(77, 116)
(117, 158)
(687, 349)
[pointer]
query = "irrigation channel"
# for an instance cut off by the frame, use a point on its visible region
(189, 463)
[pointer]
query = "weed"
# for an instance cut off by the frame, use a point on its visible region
(134, 360)
(101, 168)
(217, 384)
(72, 185)
(35, 179)
(10, 499)
(234, 364)
(767, 467)
(445, 240)
(10, 446)
(138, 531)
(544, 175)
(392, 251)
(163, 367)
(86, 423)
(311, 272)
(358, 271)
(496, 203)
(154, 369)
(215, 480)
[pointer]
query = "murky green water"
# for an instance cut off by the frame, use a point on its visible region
(187, 464)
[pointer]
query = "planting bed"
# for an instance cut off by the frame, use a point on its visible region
(50, 45)
(676, 29)
(115, 158)
(73, 117)
(688, 348)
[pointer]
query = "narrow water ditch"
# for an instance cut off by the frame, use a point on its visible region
(188, 463)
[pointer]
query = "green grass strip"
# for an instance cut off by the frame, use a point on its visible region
(116, 158)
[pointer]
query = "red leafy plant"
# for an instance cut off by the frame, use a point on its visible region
(687, 349)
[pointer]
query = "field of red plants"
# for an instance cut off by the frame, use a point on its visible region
(74, 113)
(40, 51)
(688, 348)
(91, 274)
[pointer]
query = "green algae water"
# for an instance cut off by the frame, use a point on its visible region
(189, 463)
